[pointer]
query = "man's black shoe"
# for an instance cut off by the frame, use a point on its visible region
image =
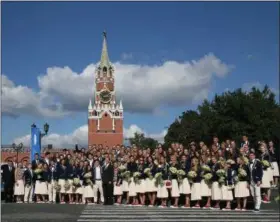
(256, 210)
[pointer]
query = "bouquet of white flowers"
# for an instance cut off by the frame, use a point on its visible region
(265, 164)
(245, 159)
(76, 182)
(158, 179)
(88, 175)
(205, 168)
(57, 186)
(148, 172)
(222, 180)
(207, 178)
(242, 172)
(136, 176)
(180, 175)
(122, 168)
(173, 170)
(221, 173)
(126, 176)
(230, 161)
(67, 185)
(192, 175)
(37, 172)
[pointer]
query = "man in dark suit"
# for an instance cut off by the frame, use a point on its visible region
(97, 181)
(256, 174)
(9, 181)
(107, 181)
(29, 181)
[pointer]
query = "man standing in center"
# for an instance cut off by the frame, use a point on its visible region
(107, 181)
(97, 181)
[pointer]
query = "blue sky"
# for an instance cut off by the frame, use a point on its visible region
(40, 35)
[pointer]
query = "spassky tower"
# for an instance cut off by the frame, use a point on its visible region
(105, 116)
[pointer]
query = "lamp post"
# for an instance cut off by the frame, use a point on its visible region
(17, 148)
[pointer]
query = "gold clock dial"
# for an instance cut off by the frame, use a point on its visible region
(105, 96)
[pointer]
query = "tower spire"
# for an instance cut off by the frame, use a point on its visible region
(104, 61)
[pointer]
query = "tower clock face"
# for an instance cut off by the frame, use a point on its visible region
(105, 96)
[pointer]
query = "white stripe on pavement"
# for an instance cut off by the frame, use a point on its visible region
(177, 220)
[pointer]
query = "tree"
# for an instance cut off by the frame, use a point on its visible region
(229, 116)
(140, 140)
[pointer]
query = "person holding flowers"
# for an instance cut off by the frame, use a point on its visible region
(241, 180)
(140, 184)
(78, 181)
(274, 163)
(173, 175)
(161, 177)
(184, 186)
(206, 182)
(227, 186)
(194, 176)
(70, 176)
(267, 173)
(132, 169)
(40, 185)
(117, 183)
(88, 184)
(62, 176)
(151, 189)
(217, 180)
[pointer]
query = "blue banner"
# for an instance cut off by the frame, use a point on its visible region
(35, 142)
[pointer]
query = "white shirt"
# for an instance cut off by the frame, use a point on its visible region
(98, 173)
(47, 161)
(90, 162)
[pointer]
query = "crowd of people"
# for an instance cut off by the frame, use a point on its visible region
(197, 176)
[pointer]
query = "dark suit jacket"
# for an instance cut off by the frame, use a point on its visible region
(256, 173)
(108, 174)
(34, 164)
(8, 176)
(28, 178)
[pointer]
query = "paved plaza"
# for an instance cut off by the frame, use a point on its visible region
(94, 213)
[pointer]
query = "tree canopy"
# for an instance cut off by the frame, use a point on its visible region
(140, 140)
(230, 116)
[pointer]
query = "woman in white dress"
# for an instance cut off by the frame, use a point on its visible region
(184, 186)
(175, 193)
(70, 177)
(41, 177)
(19, 185)
(141, 185)
(267, 173)
(117, 184)
(216, 191)
(274, 164)
(132, 168)
(205, 185)
(79, 190)
(162, 192)
(195, 182)
(227, 187)
(151, 189)
(241, 188)
(88, 184)
(62, 176)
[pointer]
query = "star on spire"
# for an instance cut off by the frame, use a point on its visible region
(104, 61)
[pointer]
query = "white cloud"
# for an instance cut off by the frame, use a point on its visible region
(142, 88)
(80, 136)
(127, 56)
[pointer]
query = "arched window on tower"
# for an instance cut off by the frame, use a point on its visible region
(94, 113)
(104, 70)
(117, 113)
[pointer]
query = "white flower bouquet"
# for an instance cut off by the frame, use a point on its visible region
(122, 168)
(136, 176)
(222, 180)
(205, 168)
(207, 178)
(148, 172)
(37, 172)
(230, 161)
(242, 172)
(180, 175)
(158, 179)
(126, 176)
(88, 175)
(173, 170)
(76, 182)
(67, 185)
(265, 164)
(221, 173)
(246, 160)
(191, 175)
(57, 186)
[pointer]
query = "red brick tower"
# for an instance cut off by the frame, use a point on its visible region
(105, 116)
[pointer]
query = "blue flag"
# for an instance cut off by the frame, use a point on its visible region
(35, 142)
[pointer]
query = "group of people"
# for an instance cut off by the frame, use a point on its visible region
(117, 175)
